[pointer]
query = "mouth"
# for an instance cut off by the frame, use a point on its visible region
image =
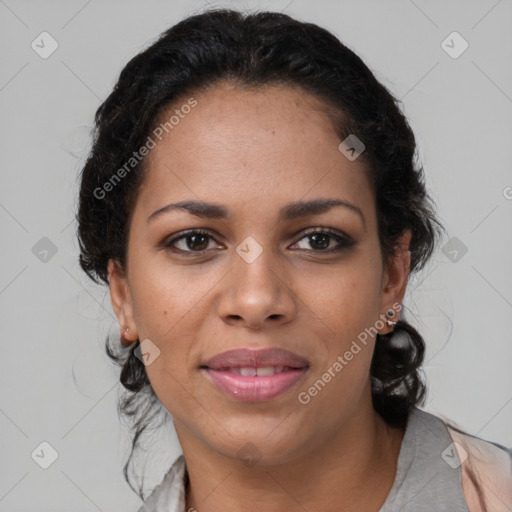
(255, 375)
(261, 371)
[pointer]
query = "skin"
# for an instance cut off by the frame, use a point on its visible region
(254, 151)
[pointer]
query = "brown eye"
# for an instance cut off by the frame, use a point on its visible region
(325, 240)
(194, 241)
(319, 241)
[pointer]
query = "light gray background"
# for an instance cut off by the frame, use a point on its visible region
(57, 384)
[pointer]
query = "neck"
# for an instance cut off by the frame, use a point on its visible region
(333, 476)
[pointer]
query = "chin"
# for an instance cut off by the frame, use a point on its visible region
(259, 441)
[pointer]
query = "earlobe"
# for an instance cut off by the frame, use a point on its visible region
(397, 273)
(121, 303)
(395, 279)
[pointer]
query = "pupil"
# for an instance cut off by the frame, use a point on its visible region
(323, 243)
(193, 244)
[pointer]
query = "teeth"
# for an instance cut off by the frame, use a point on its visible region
(248, 372)
(263, 371)
(266, 370)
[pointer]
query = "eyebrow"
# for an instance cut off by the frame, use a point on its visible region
(289, 212)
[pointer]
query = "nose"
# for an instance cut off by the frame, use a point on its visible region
(256, 294)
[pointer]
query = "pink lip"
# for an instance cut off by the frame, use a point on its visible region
(253, 388)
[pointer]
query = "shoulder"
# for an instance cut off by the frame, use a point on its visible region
(486, 470)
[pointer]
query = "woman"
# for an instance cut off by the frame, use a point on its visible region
(253, 203)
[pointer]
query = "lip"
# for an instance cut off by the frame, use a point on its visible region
(245, 357)
(221, 370)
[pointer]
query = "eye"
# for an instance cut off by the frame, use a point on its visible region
(192, 241)
(325, 240)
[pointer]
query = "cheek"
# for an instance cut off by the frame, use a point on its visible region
(349, 310)
(346, 299)
(347, 302)
(164, 293)
(169, 306)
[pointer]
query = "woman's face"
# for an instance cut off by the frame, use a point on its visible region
(253, 279)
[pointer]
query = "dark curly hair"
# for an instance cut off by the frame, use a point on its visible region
(253, 50)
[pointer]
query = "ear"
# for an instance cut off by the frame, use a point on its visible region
(122, 303)
(394, 280)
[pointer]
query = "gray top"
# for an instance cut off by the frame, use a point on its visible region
(428, 476)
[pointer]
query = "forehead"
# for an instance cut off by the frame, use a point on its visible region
(249, 147)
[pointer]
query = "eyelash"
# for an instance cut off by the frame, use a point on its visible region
(344, 241)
